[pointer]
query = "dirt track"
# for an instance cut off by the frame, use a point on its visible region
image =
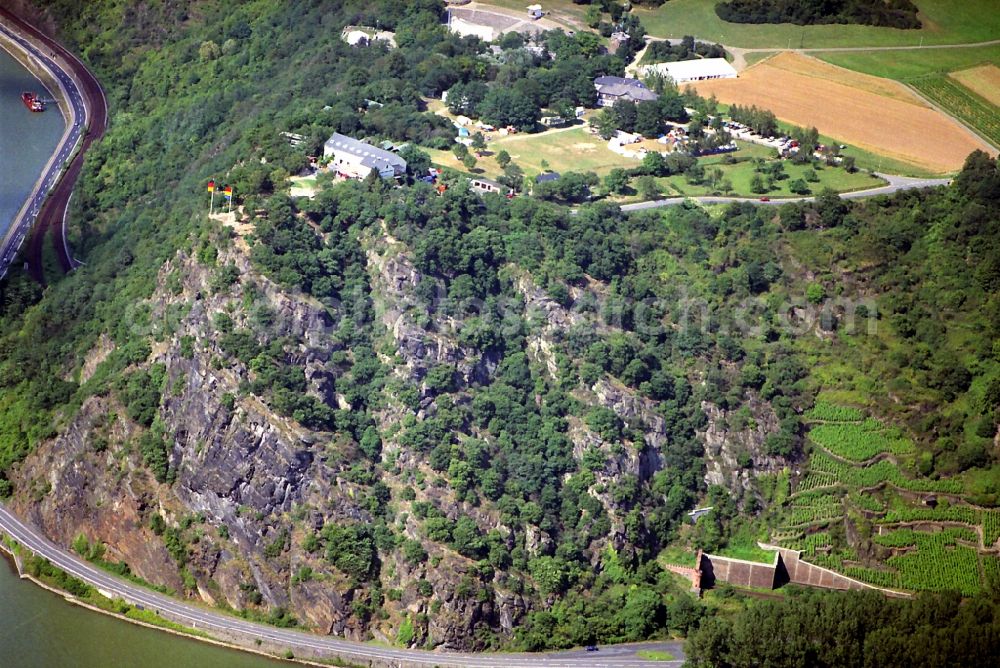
(871, 113)
(53, 212)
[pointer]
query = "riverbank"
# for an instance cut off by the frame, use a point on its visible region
(11, 552)
(14, 41)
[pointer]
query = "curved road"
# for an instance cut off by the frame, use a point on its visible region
(305, 644)
(895, 184)
(88, 117)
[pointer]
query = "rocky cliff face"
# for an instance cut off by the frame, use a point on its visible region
(734, 453)
(249, 488)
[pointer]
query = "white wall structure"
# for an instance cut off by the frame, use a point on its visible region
(465, 28)
(685, 71)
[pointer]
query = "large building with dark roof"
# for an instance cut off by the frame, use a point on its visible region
(612, 89)
(355, 159)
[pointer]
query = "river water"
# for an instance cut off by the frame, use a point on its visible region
(39, 629)
(27, 139)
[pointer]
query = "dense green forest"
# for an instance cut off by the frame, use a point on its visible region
(886, 13)
(607, 344)
(851, 630)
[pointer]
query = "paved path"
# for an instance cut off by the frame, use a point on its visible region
(895, 184)
(302, 643)
(87, 114)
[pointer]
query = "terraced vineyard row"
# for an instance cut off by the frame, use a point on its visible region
(988, 519)
(991, 527)
(827, 412)
(859, 442)
(949, 514)
(871, 476)
(938, 563)
(963, 103)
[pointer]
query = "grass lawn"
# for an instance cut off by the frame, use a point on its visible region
(748, 552)
(945, 22)
(741, 174)
(903, 65)
(574, 150)
(677, 556)
(654, 655)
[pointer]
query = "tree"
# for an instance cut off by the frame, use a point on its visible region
(616, 181)
(649, 189)
(513, 177)
(503, 158)
(503, 106)
(606, 124)
(479, 143)
(815, 293)
(799, 187)
(464, 98)
(648, 120)
(625, 115)
(848, 162)
(757, 184)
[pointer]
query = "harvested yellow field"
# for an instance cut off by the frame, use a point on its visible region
(873, 114)
(983, 80)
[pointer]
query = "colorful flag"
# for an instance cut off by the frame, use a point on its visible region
(211, 186)
(228, 192)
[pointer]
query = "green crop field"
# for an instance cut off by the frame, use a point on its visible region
(991, 527)
(907, 64)
(962, 103)
(876, 474)
(859, 442)
(964, 514)
(827, 412)
(945, 22)
(937, 563)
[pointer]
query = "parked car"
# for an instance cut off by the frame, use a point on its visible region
(591, 648)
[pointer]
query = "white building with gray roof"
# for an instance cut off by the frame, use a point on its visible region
(354, 159)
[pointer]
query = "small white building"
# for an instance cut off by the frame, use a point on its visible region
(354, 159)
(686, 71)
(534, 12)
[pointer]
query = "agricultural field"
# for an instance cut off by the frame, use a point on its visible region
(945, 22)
(827, 412)
(906, 64)
(983, 80)
(871, 476)
(977, 112)
(810, 520)
(859, 442)
(873, 114)
(935, 562)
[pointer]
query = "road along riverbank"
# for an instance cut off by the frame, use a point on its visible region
(15, 44)
(251, 635)
(88, 107)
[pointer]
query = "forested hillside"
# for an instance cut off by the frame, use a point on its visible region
(442, 418)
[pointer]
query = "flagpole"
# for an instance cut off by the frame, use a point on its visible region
(211, 207)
